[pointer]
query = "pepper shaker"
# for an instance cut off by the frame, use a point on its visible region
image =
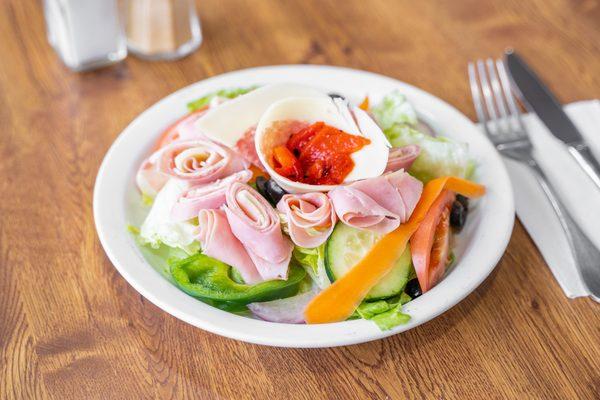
(162, 29)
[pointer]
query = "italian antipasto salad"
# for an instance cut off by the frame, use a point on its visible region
(296, 206)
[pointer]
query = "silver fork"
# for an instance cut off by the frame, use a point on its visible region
(499, 114)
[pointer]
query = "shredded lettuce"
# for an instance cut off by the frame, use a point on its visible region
(147, 200)
(390, 319)
(159, 256)
(230, 93)
(387, 314)
(394, 109)
(134, 230)
(439, 156)
(159, 228)
(313, 261)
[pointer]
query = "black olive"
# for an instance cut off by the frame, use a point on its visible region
(413, 289)
(463, 200)
(336, 96)
(261, 183)
(274, 191)
(458, 215)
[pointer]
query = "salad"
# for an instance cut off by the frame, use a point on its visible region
(292, 205)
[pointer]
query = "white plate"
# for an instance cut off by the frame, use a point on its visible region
(480, 245)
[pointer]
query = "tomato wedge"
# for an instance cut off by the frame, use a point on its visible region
(171, 134)
(431, 242)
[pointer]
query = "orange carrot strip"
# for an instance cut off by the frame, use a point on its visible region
(338, 301)
(365, 104)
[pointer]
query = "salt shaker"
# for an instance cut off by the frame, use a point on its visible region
(86, 34)
(162, 29)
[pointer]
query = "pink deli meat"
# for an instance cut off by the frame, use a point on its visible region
(199, 161)
(254, 222)
(148, 178)
(402, 157)
(310, 217)
(245, 146)
(217, 241)
(205, 196)
(377, 204)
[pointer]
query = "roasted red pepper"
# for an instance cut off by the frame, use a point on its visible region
(318, 154)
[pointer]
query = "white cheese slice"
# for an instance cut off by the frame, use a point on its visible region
(228, 122)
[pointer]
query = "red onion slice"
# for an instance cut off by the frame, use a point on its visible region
(288, 311)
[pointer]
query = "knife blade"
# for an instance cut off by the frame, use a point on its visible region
(537, 98)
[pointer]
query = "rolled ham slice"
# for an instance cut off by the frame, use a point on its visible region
(186, 129)
(255, 223)
(199, 161)
(149, 179)
(377, 204)
(402, 157)
(217, 241)
(310, 217)
(205, 196)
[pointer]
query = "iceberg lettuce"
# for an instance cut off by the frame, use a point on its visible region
(385, 313)
(219, 94)
(394, 109)
(313, 261)
(159, 228)
(439, 156)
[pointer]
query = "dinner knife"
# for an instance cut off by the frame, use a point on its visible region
(538, 98)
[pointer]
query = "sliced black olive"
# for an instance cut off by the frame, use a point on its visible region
(274, 191)
(336, 96)
(463, 200)
(458, 215)
(413, 289)
(261, 186)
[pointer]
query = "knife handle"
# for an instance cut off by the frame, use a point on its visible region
(582, 154)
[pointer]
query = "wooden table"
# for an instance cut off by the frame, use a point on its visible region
(71, 327)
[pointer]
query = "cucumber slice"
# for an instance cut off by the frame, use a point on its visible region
(347, 246)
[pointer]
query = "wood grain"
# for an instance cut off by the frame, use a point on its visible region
(71, 327)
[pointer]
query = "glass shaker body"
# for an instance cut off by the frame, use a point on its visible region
(162, 29)
(86, 34)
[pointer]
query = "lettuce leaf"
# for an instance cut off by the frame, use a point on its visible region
(230, 93)
(394, 109)
(159, 256)
(313, 261)
(158, 227)
(390, 319)
(387, 314)
(439, 156)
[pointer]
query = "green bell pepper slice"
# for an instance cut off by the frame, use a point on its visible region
(211, 280)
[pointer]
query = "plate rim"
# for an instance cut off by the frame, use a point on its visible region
(358, 331)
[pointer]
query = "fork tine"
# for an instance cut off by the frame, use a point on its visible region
(509, 96)
(476, 94)
(500, 100)
(487, 97)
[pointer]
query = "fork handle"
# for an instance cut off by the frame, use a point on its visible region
(585, 253)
